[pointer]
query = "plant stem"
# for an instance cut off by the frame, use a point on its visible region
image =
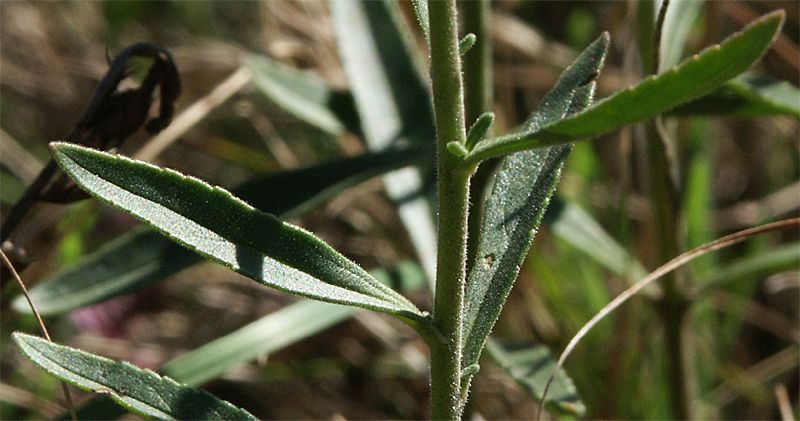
(453, 195)
(478, 61)
(673, 306)
(478, 98)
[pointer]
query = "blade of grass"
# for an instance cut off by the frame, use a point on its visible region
(668, 267)
(576, 227)
(394, 106)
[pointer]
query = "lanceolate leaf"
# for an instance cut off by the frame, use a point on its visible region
(519, 197)
(216, 224)
(141, 391)
(747, 96)
(144, 257)
(694, 78)
(394, 106)
(530, 365)
(292, 193)
(575, 226)
(127, 264)
(304, 95)
(268, 334)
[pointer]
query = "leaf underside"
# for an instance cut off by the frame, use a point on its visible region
(144, 257)
(530, 365)
(217, 225)
(520, 194)
(268, 334)
(304, 95)
(747, 96)
(141, 391)
(695, 77)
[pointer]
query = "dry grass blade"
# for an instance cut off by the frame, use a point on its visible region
(673, 264)
(192, 115)
(784, 403)
(783, 361)
(17, 159)
(42, 326)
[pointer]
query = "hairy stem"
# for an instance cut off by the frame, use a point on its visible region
(453, 194)
(478, 97)
(478, 60)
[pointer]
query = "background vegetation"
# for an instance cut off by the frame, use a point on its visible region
(735, 172)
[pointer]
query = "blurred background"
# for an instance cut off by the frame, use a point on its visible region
(734, 172)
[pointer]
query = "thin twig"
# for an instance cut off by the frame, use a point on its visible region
(17, 159)
(673, 264)
(42, 326)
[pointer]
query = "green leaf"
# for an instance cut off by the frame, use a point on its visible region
(129, 263)
(478, 130)
(294, 192)
(217, 225)
(694, 78)
(141, 391)
(776, 259)
(576, 227)
(273, 332)
(304, 95)
(270, 333)
(466, 44)
(680, 17)
(530, 365)
(144, 257)
(394, 106)
(457, 149)
(421, 11)
(520, 194)
(747, 96)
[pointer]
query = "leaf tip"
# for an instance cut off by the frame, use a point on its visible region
(774, 19)
(61, 149)
(479, 129)
(466, 43)
(23, 339)
(457, 149)
(57, 146)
